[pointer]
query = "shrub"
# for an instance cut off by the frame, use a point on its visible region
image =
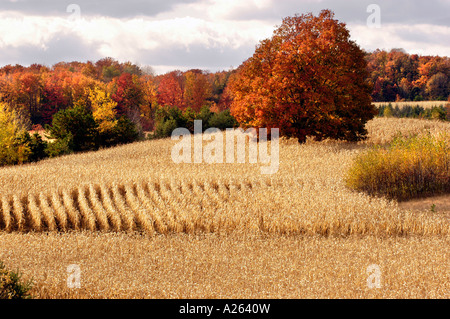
(438, 113)
(205, 115)
(166, 128)
(170, 118)
(60, 147)
(388, 111)
(78, 125)
(434, 113)
(38, 147)
(124, 131)
(223, 120)
(407, 168)
(11, 285)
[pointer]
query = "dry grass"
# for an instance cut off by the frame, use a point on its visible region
(384, 130)
(407, 168)
(116, 265)
(220, 230)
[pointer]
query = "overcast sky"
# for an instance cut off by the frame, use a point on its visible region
(206, 34)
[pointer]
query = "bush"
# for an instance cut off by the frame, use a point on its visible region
(78, 125)
(407, 168)
(38, 147)
(416, 111)
(170, 118)
(11, 286)
(223, 120)
(166, 128)
(125, 131)
(60, 147)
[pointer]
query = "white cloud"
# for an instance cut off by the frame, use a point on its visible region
(197, 34)
(423, 39)
(125, 39)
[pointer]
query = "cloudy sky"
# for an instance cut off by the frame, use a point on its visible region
(207, 34)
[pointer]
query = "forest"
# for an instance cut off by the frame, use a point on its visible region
(38, 92)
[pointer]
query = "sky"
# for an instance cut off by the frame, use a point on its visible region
(210, 35)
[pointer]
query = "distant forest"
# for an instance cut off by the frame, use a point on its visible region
(38, 92)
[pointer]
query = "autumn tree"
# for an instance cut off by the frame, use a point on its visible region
(112, 129)
(170, 90)
(150, 101)
(13, 149)
(196, 89)
(309, 79)
(128, 94)
(55, 96)
(103, 110)
(438, 86)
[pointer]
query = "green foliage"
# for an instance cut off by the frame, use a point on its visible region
(78, 125)
(166, 128)
(38, 147)
(109, 72)
(223, 120)
(388, 111)
(62, 146)
(125, 131)
(11, 285)
(73, 130)
(170, 118)
(438, 113)
(407, 168)
(414, 111)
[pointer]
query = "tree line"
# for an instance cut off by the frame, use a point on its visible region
(398, 76)
(38, 92)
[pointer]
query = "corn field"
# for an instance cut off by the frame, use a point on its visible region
(141, 226)
(163, 207)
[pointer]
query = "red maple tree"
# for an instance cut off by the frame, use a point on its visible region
(309, 79)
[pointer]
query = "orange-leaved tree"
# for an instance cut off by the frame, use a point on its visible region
(309, 79)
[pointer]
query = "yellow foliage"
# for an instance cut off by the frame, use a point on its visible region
(12, 151)
(103, 109)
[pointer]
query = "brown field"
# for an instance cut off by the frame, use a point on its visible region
(139, 225)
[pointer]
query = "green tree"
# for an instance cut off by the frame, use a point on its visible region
(125, 131)
(223, 120)
(78, 125)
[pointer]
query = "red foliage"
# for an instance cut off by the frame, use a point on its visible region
(127, 93)
(170, 90)
(308, 79)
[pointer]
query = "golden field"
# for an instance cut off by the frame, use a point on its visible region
(139, 225)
